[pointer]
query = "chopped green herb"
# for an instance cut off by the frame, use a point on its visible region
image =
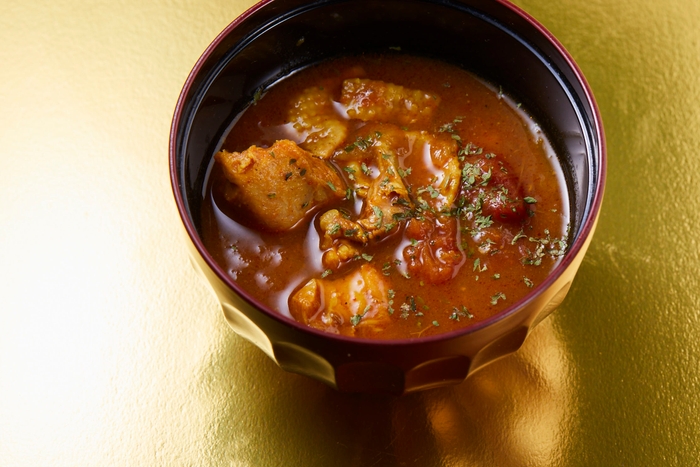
(497, 297)
(355, 319)
(405, 309)
(479, 267)
(335, 228)
(558, 247)
(518, 236)
(470, 150)
(349, 170)
(447, 127)
(485, 177)
(460, 313)
(379, 214)
(258, 95)
(386, 269)
(361, 143)
(483, 222)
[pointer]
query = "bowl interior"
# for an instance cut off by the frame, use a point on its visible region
(494, 40)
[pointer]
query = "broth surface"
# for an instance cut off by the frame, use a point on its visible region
(462, 251)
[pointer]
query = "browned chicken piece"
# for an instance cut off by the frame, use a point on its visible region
(433, 255)
(340, 252)
(314, 117)
(387, 203)
(335, 225)
(360, 177)
(279, 185)
(356, 304)
(435, 180)
(370, 100)
(369, 140)
(386, 199)
(341, 238)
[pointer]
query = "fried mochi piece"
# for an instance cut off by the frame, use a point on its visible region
(279, 185)
(371, 100)
(356, 304)
(312, 115)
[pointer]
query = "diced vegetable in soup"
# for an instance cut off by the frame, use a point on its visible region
(386, 197)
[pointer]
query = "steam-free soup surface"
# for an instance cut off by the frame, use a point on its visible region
(386, 197)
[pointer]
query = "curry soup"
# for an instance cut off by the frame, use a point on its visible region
(386, 197)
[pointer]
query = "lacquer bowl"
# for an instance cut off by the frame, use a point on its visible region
(493, 39)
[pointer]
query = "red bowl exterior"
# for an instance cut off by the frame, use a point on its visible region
(396, 366)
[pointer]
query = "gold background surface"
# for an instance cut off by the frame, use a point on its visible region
(114, 353)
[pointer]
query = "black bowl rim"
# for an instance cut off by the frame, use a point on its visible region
(585, 231)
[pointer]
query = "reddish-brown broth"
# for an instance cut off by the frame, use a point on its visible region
(271, 266)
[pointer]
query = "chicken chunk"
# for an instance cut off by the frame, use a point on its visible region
(278, 186)
(336, 225)
(313, 116)
(356, 304)
(370, 100)
(341, 238)
(386, 198)
(387, 203)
